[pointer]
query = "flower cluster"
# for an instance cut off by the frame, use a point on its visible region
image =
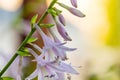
(51, 62)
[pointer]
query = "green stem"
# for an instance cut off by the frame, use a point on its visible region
(46, 12)
(26, 39)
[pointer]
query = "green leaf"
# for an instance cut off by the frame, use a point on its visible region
(52, 12)
(23, 53)
(57, 10)
(7, 78)
(34, 18)
(46, 25)
(32, 39)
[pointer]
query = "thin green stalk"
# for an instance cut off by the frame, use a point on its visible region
(46, 12)
(26, 39)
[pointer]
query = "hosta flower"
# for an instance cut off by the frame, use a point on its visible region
(50, 69)
(61, 19)
(62, 47)
(62, 31)
(74, 3)
(56, 47)
(72, 10)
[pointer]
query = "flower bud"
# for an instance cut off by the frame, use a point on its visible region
(74, 3)
(72, 10)
(76, 12)
(61, 19)
(62, 31)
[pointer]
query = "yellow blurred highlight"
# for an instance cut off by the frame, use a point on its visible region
(10, 5)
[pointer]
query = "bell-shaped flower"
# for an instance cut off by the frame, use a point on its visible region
(74, 3)
(56, 47)
(72, 10)
(49, 69)
(62, 47)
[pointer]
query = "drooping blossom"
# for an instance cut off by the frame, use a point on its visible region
(72, 10)
(56, 47)
(64, 48)
(49, 69)
(74, 3)
(61, 19)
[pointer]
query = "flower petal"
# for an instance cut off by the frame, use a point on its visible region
(61, 76)
(47, 40)
(33, 53)
(40, 75)
(67, 48)
(68, 68)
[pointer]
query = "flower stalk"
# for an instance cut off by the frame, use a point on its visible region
(26, 39)
(53, 53)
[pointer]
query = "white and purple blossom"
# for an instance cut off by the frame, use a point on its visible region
(54, 69)
(56, 47)
(62, 47)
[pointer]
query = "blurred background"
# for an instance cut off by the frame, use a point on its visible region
(97, 36)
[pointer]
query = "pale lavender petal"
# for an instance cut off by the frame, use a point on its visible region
(47, 40)
(67, 48)
(62, 19)
(51, 30)
(68, 68)
(36, 47)
(33, 75)
(40, 75)
(54, 36)
(18, 77)
(51, 72)
(41, 62)
(33, 53)
(74, 3)
(63, 32)
(57, 68)
(59, 53)
(61, 76)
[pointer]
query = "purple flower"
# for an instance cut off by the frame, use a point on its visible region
(62, 31)
(49, 69)
(74, 3)
(72, 10)
(56, 47)
(61, 19)
(62, 47)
